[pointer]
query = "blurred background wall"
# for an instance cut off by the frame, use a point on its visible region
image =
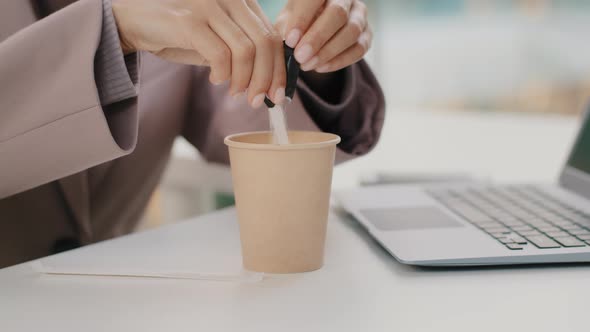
(491, 55)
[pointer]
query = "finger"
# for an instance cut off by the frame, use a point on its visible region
(276, 91)
(334, 17)
(206, 42)
(344, 38)
(349, 56)
(263, 40)
(279, 80)
(299, 16)
(242, 50)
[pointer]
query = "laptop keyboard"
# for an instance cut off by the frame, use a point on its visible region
(519, 216)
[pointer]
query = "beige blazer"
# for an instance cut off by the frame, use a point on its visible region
(73, 172)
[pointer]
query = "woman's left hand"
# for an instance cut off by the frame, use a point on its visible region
(327, 35)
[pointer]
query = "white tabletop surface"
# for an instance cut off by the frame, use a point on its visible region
(360, 288)
(501, 146)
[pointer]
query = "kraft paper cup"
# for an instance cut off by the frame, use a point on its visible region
(282, 198)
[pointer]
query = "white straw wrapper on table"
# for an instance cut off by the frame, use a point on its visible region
(245, 276)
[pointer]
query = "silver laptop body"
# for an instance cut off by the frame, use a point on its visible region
(482, 224)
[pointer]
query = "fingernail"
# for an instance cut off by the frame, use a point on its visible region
(323, 69)
(309, 65)
(303, 53)
(293, 38)
(279, 96)
(258, 100)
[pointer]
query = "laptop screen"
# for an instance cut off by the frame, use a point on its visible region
(580, 155)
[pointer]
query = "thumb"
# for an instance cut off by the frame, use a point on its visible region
(296, 18)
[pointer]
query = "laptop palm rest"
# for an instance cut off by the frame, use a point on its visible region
(410, 218)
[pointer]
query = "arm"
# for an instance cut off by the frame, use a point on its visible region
(52, 121)
(356, 114)
(349, 103)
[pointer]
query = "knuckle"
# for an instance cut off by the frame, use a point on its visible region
(339, 13)
(366, 45)
(300, 21)
(367, 39)
(315, 37)
(362, 7)
(238, 83)
(246, 50)
(276, 39)
(191, 30)
(325, 54)
(222, 55)
(265, 40)
(355, 29)
(361, 48)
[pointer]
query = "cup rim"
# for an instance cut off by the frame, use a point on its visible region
(331, 140)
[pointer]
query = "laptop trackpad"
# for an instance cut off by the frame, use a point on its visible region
(421, 217)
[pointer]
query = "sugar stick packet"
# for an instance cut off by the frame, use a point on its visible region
(278, 125)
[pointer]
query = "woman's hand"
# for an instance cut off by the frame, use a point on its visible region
(327, 35)
(233, 37)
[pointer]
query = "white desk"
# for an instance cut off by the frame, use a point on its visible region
(501, 146)
(360, 288)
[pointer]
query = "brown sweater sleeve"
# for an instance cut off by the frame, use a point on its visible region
(355, 111)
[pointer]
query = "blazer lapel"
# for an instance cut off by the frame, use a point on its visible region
(76, 194)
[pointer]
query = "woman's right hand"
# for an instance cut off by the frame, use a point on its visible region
(233, 37)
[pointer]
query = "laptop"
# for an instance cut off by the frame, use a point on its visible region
(482, 224)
